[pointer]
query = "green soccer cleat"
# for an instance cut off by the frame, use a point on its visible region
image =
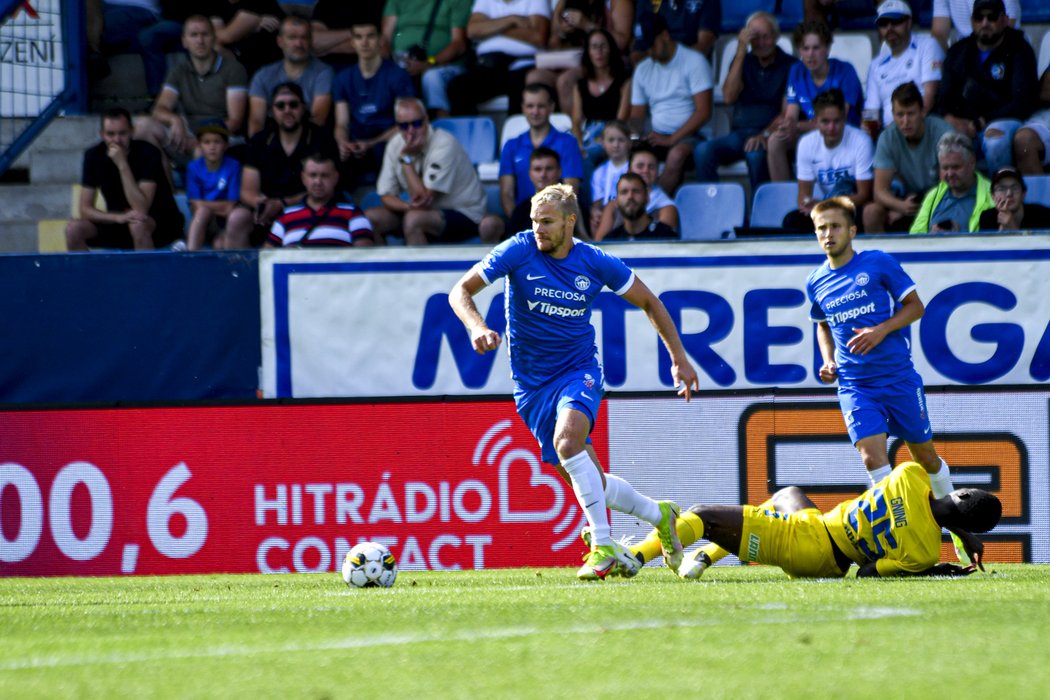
(628, 565)
(694, 567)
(670, 545)
(960, 550)
(598, 563)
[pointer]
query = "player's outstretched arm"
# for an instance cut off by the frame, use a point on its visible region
(972, 545)
(461, 299)
(870, 570)
(682, 372)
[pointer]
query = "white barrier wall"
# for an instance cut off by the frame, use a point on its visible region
(377, 323)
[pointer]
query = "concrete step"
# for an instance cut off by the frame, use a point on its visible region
(55, 166)
(68, 132)
(31, 203)
(19, 237)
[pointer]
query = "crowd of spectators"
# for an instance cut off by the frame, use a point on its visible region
(274, 121)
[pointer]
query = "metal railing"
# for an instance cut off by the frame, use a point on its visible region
(42, 74)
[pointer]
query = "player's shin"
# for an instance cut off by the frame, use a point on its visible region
(622, 497)
(587, 485)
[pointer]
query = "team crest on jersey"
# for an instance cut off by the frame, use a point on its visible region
(998, 71)
(582, 282)
(588, 381)
(862, 279)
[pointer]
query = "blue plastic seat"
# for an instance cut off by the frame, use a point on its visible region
(477, 134)
(772, 202)
(1038, 189)
(710, 210)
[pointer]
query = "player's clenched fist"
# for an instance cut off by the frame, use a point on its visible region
(484, 339)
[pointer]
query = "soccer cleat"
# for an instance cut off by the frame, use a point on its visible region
(599, 563)
(695, 566)
(628, 565)
(670, 545)
(960, 550)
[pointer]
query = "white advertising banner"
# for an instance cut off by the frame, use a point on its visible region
(374, 323)
(31, 58)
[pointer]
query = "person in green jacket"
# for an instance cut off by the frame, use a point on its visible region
(957, 201)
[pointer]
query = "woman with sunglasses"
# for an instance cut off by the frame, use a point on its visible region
(813, 75)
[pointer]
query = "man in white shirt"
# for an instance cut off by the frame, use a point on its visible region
(904, 58)
(956, 13)
(507, 36)
(835, 159)
(444, 201)
(674, 86)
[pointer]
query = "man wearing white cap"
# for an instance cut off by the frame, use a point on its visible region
(904, 58)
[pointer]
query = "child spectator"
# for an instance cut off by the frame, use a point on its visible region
(213, 186)
(616, 140)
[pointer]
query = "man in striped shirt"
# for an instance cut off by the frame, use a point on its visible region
(321, 219)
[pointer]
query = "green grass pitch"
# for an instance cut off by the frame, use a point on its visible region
(741, 632)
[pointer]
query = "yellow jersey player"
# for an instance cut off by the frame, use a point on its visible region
(892, 529)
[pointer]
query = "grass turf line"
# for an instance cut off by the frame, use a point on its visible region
(744, 632)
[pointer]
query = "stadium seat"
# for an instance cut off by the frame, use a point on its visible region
(772, 202)
(477, 134)
(516, 125)
(1038, 189)
(853, 48)
(492, 200)
(710, 210)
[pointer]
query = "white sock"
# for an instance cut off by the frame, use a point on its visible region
(879, 473)
(587, 484)
(941, 482)
(621, 496)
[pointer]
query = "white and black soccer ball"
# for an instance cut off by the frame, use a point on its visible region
(368, 565)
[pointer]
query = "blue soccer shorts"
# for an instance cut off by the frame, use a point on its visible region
(540, 408)
(898, 409)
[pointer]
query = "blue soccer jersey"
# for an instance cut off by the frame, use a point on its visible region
(221, 185)
(863, 293)
(548, 304)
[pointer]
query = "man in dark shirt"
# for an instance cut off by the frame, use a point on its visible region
(632, 196)
(140, 210)
(755, 86)
(1011, 213)
(271, 179)
(693, 23)
(989, 83)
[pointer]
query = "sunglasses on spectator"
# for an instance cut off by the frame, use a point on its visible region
(887, 21)
(987, 16)
(414, 124)
(290, 104)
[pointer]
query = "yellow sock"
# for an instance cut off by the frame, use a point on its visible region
(689, 526)
(716, 553)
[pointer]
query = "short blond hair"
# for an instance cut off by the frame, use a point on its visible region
(561, 196)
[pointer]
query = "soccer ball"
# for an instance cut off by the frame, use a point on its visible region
(369, 564)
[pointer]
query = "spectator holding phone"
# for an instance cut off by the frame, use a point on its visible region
(956, 203)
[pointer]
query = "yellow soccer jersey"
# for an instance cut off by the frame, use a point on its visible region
(890, 524)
